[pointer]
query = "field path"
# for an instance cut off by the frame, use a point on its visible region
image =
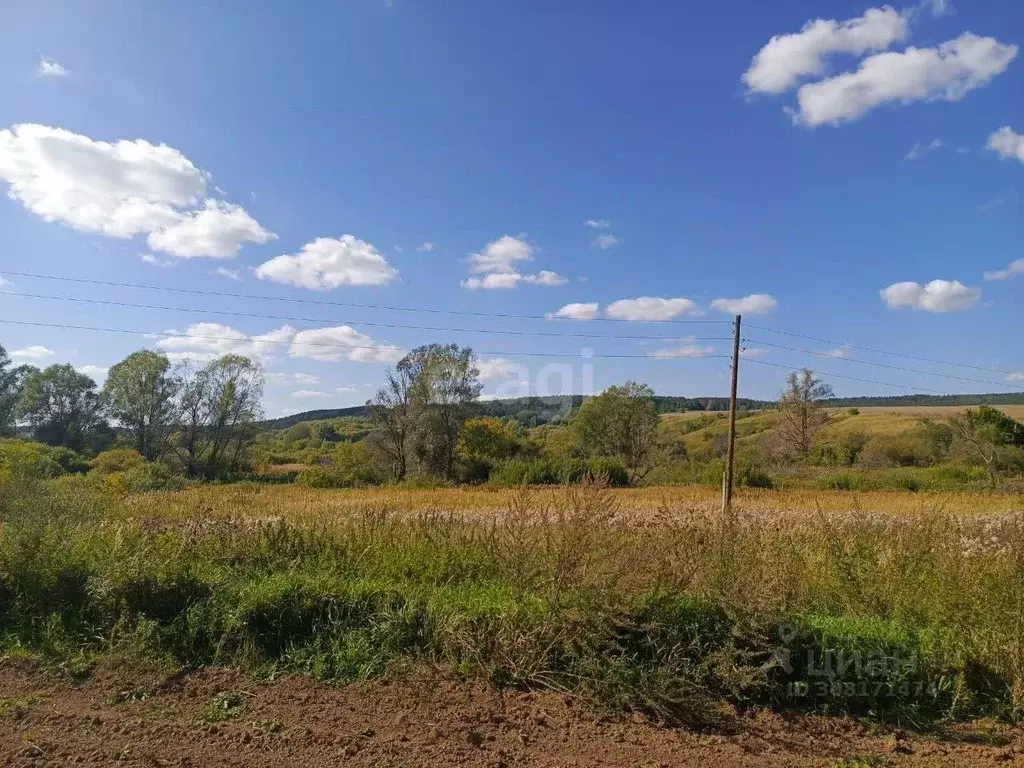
(125, 717)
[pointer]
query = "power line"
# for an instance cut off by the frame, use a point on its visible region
(379, 348)
(850, 378)
(320, 302)
(496, 331)
(877, 351)
(883, 365)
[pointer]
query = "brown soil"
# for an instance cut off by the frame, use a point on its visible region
(125, 717)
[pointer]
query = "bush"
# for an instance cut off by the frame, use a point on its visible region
(29, 460)
(117, 460)
(907, 450)
(324, 477)
(152, 476)
(525, 472)
(552, 472)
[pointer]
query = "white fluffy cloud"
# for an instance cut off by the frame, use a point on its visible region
(786, 59)
(122, 189)
(1015, 267)
(497, 368)
(754, 304)
(496, 267)
(205, 341)
(936, 296)
(34, 352)
(501, 256)
(687, 350)
(947, 72)
(307, 393)
(576, 311)
(341, 342)
(650, 308)
(1015, 377)
(328, 263)
(597, 223)
(50, 67)
(427, 247)
(1008, 143)
(217, 231)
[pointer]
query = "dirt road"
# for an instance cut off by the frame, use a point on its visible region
(125, 717)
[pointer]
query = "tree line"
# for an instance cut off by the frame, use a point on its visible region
(198, 417)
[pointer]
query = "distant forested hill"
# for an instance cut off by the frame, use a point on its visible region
(534, 411)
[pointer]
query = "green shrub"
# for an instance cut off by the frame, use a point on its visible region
(29, 460)
(116, 460)
(554, 472)
(324, 477)
(152, 476)
(526, 472)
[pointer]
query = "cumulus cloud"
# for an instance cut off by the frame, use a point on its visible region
(754, 304)
(202, 342)
(497, 368)
(328, 263)
(230, 274)
(597, 223)
(34, 352)
(786, 59)
(576, 311)
(50, 67)
(1015, 377)
(650, 308)
(496, 267)
(501, 255)
(122, 189)
(427, 247)
(217, 231)
(947, 72)
(341, 343)
(1015, 267)
(1007, 143)
(919, 149)
(936, 296)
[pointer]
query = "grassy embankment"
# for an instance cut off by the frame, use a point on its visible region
(632, 599)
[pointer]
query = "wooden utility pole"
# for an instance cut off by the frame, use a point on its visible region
(727, 479)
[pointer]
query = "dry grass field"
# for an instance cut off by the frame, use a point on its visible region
(639, 506)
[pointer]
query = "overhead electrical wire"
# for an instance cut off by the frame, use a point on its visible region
(497, 331)
(377, 347)
(356, 305)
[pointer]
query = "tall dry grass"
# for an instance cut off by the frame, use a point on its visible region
(635, 598)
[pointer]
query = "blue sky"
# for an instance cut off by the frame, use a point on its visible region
(517, 158)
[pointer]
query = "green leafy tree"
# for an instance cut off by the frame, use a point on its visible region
(620, 423)
(488, 439)
(12, 379)
(395, 410)
(139, 393)
(801, 413)
(990, 437)
(217, 407)
(63, 408)
(447, 383)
